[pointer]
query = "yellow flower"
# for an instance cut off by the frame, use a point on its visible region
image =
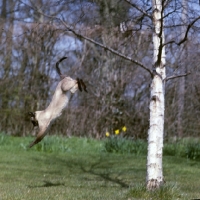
(107, 134)
(117, 131)
(124, 128)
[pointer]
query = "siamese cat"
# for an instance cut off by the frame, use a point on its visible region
(41, 120)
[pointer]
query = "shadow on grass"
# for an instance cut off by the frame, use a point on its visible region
(47, 184)
(106, 176)
(100, 168)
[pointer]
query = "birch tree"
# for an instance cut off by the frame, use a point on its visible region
(157, 104)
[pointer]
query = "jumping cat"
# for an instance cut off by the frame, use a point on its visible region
(41, 120)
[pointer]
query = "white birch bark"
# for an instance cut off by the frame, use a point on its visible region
(156, 130)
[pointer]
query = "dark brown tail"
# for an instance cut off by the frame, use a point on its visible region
(57, 66)
(39, 137)
(34, 142)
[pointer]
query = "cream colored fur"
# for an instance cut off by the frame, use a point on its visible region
(60, 99)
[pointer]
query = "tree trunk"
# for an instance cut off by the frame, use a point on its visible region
(157, 107)
(182, 67)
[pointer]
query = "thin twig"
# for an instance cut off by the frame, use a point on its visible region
(176, 76)
(138, 8)
(105, 47)
(186, 34)
(75, 32)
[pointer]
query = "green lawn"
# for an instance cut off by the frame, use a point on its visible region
(79, 168)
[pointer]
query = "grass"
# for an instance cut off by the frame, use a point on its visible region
(81, 168)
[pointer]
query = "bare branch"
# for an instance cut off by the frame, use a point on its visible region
(138, 8)
(105, 47)
(69, 28)
(186, 34)
(176, 76)
(76, 32)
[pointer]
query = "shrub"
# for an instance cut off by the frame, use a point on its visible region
(174, 149)
(193, 151)
(119, 144)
